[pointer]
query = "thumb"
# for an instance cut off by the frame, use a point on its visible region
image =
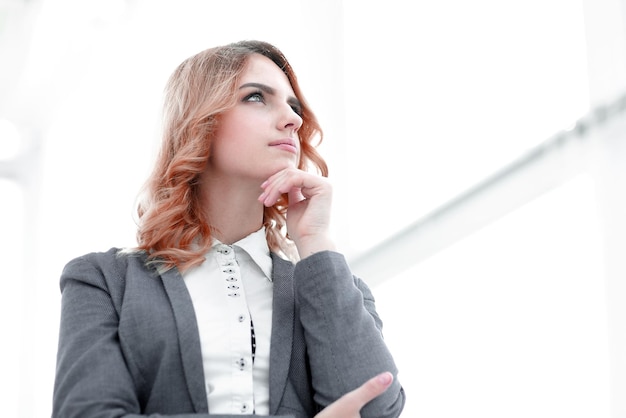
(372, 388)
(350, 404)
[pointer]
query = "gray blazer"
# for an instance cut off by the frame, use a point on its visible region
(129, 343)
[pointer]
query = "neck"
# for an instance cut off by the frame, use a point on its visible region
(232, 209)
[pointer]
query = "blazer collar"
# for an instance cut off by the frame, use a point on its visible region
(188, 337)
(283, 315)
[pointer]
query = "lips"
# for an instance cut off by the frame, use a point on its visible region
(286, 144)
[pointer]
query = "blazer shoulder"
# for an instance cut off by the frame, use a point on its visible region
(102, 268)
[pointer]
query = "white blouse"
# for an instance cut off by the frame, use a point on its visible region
(229, 290)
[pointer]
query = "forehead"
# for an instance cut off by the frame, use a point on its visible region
(260, 69)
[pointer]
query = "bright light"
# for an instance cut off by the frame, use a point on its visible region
(9, 140)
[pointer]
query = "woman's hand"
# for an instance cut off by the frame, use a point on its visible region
(350, 404)
(308, 215)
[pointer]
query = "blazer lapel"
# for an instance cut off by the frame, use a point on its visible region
(282, 328)
(188, 337)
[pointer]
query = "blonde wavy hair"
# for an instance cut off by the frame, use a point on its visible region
(172, 227)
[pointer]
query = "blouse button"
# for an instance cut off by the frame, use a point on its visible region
(244, 407)
(241, 363)
(224, 250)
(241, 318)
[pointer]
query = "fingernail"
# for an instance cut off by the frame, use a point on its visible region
(385, 378)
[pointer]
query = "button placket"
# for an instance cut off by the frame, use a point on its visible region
(229, 267)
(237, 309)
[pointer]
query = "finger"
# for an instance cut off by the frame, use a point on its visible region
(371, 389)
(285, 181)
(350, 404)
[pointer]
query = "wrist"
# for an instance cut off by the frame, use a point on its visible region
(315, 244)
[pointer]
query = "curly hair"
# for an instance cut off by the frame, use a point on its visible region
(172, 227)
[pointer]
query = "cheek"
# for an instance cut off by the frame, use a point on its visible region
(241, 126)
(300, 156)
(228, 135)
(230, 123)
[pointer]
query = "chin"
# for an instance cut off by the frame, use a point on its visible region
(285, 164)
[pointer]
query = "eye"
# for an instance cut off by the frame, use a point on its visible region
(256, 96)
(297, 109)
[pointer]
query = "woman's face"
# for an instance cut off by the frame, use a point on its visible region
(259, 136)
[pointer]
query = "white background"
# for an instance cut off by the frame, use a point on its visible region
(419, 100)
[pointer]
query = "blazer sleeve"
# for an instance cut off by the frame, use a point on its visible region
(343, 333)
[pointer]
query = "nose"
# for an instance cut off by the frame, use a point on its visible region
(290, 119)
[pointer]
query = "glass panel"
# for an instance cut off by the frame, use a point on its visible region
(511, 321)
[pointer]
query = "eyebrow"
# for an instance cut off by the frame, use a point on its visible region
(292, 100)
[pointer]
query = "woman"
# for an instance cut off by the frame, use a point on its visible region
(235, 300)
